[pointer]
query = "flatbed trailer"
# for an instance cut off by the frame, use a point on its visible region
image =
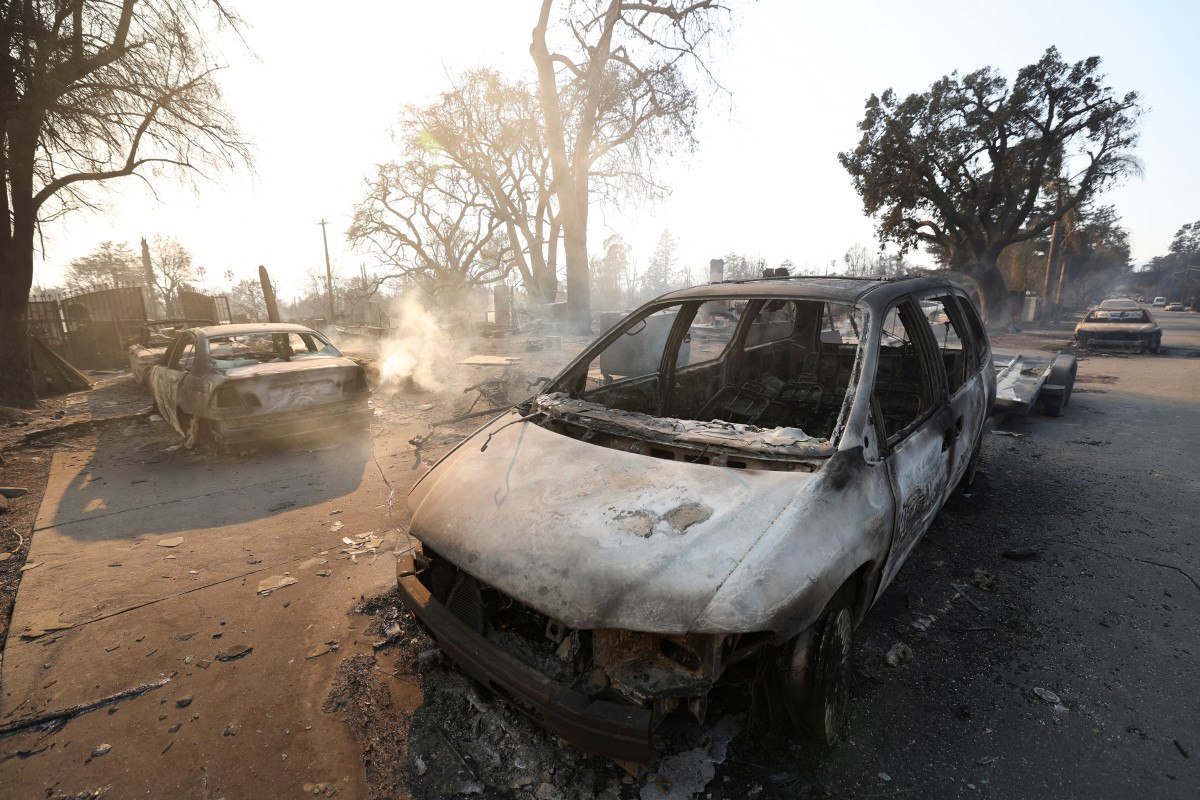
(1023, 381)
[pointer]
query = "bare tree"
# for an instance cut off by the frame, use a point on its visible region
(615, 93)
(172, 268)
(247, 295)
(490, 129)
(108, 266)
(430, 227)
(91, 91)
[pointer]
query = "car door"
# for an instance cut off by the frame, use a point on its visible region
(909, 404)
(968, 394)
(166, 380)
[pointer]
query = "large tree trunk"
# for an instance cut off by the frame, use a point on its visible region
(16, 268)
(579, 282)
(993, 290)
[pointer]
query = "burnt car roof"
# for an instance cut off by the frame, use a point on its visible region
(874, 290)
(253, 327)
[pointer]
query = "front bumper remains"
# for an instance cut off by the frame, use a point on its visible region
(612, 730)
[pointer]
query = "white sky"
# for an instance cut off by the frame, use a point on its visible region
(330, 80)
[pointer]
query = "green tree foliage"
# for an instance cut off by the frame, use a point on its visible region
(91, 91)
(109, 265)
(969, 166)
(1096, 256)
(1176, 275)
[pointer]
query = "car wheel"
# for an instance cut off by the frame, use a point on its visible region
(814, 677)
(197, 433)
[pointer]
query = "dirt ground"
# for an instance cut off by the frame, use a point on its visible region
(1049, 618)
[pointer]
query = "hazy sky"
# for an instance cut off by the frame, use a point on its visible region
(326, 86)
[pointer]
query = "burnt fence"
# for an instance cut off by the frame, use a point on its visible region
(93, 330)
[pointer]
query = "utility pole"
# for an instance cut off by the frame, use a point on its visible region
(328, 271)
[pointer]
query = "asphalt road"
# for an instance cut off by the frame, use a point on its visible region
(1105, 616)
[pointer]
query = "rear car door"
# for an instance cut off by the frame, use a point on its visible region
(909, 404)
(166, 380)
(962, 364)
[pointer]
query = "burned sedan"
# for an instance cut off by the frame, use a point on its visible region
(733, 472)
(1119, 327)
(229, 384)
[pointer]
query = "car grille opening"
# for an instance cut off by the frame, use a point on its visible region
(466, 602)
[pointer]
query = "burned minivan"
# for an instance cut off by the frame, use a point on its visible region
(733, 472)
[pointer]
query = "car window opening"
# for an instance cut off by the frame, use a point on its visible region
(904, 386)
(770, 376)
(249, 349)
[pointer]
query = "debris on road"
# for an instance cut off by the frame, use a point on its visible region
(174, 541)
(234, 652)
(13, 492)
(337, 526)
(46, 622)
(101, 750)
(1023, 553)
(982, 579)
(184, 701)
(961, 590)
(391, 632)
(268, 585)
(1047, 695)
(231, 729)
(1013, 434)
(325, 647)
(898, 654)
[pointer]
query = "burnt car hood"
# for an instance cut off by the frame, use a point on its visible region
(603, 538)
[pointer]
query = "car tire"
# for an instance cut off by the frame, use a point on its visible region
(813, 677)
(197, 433)
(1061, 375)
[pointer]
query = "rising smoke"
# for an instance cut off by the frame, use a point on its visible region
(421, 355)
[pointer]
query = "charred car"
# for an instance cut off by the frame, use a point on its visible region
(733, 472)
(228, 384)
(1119, 327)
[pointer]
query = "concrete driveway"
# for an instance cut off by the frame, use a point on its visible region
(154, 558)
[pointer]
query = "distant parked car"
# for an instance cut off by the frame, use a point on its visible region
(1119, 327)
(228, 384)
(1159, 302)
(1173, 307)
